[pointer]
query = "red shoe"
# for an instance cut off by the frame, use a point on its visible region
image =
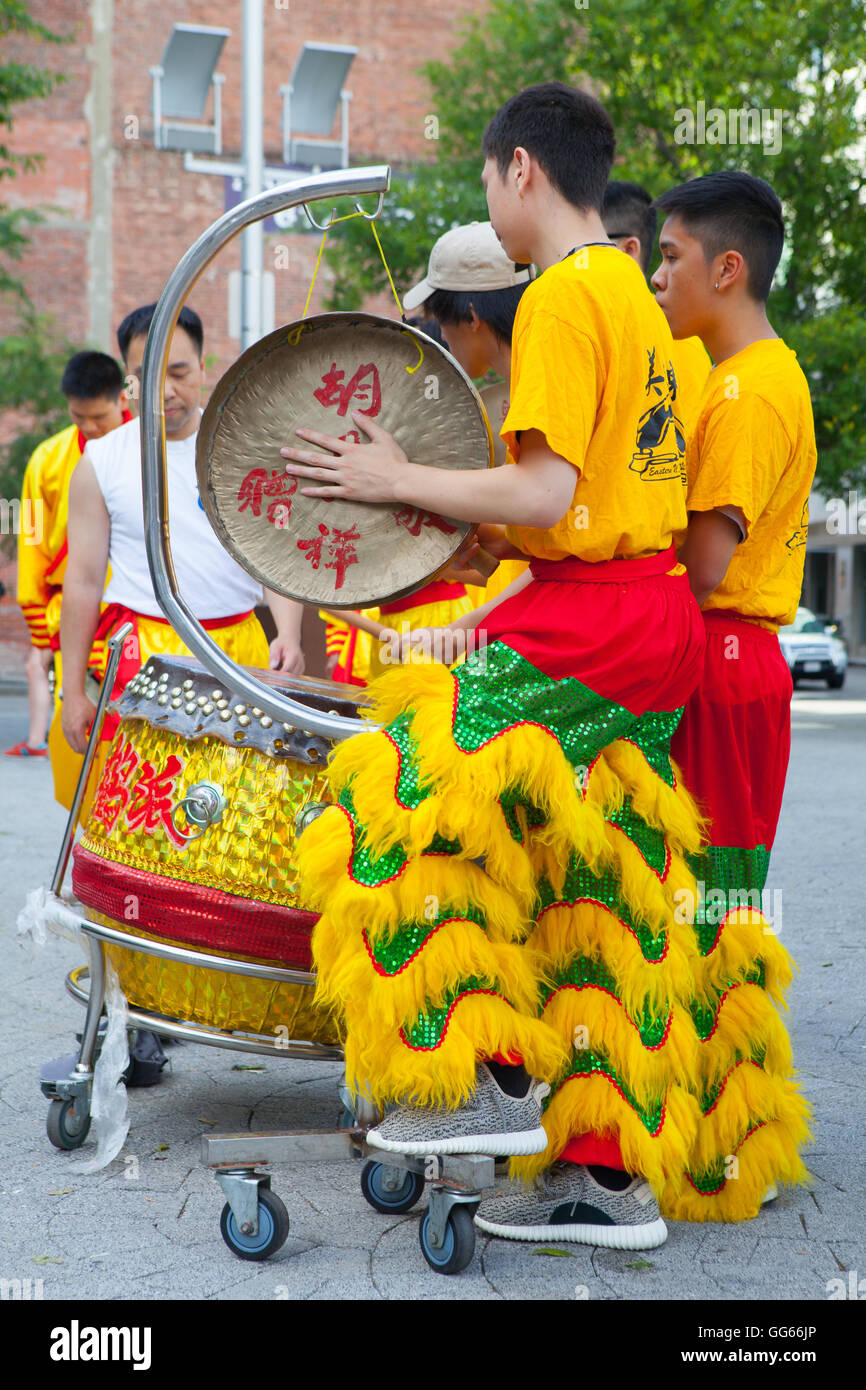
(23, 750)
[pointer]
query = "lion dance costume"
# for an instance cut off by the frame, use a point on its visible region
(504, 873)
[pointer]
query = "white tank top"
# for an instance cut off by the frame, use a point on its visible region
(209, 580)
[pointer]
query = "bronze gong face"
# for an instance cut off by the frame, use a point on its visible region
(314, 374)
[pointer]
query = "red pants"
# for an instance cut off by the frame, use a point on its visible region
(734, 739)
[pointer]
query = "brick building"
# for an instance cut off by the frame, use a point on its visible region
(123, 212)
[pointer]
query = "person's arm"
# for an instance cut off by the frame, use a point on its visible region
(709, 546)
(285, 650)
(88, 533)
(536, 492)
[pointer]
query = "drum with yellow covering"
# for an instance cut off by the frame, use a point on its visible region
(190, 842)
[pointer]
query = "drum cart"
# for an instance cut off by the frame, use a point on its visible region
(254, 1222)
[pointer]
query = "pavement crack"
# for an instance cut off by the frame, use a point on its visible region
(498, 1292)
(183, 1208)
(815, 1200)
(839, 1264)
(803, 1224)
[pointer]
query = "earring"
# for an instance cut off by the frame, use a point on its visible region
(717, 284)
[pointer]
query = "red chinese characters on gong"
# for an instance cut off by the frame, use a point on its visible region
(413, 518)
(337, 545)
(112, 795)
(259, 485)
(363, 387)
(152, 800)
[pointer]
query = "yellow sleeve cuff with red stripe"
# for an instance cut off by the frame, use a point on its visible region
(34, 617)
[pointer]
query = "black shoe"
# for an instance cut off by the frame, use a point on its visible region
(146, 1060)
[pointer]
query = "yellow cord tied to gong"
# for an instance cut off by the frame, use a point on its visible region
(295, 334)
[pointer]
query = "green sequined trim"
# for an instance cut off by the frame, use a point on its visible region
(585, 1063)
(408, 791)
(371, 870)
(652, 734)
(649, 842)
(394, 954)
(710, 1180)
(727, 878)
(581, 883)
(428, 1030)
(504, 690)
(705, 1015)
(587, 970)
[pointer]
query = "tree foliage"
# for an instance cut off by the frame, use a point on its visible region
(31, 362)
(649, 64)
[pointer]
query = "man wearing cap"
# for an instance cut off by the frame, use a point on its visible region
(472, 290)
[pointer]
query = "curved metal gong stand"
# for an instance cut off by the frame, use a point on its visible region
(346, 183)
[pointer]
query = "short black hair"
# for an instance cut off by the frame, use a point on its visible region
(88, 376)
(427, 324)
(496, 308)
(732, 210)
(137, 324)
(566, 130)
(628, 211)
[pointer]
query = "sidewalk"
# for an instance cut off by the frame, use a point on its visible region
(147, 1227)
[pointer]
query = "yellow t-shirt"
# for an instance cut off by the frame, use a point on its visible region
(45, 501)
(754, 448)
(591, 368)
(692, 366)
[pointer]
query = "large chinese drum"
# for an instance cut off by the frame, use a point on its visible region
(191, 841)
(317, 374)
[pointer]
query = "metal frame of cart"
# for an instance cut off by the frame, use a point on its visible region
(254, 1221)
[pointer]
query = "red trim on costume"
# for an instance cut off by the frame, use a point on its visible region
(667, 868)
(714, 1191)
(439, 591)
(58, 559)
(452, 1006)
(603, 571)
(582, 1076)
(604, 989)
(192, 913)
(739, 985)
(726, 1078)
(343, 673)
(594, 1148)
(575, 902)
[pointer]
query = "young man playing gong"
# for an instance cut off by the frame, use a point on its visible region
(750, 462)
(498, 880)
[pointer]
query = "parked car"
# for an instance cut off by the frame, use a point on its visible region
(811, 652)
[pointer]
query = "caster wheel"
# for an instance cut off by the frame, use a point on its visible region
(388, 1200)
(67, 1123)
(272, 1232)
(459, 1245)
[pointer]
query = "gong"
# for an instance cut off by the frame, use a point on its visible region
(313, 374)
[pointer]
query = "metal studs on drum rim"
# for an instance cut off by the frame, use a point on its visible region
(314, 374)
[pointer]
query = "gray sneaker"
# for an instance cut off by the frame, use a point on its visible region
(491, 1122)
(568, 1204)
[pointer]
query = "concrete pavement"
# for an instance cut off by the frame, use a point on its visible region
(147, 1226)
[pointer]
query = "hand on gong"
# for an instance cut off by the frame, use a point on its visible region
(350, 471)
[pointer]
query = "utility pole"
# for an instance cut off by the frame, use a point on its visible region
(253, 160)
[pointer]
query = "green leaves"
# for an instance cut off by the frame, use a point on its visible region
(647, 63)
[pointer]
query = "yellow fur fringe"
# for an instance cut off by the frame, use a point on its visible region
(592, 1105)
(769, 1155)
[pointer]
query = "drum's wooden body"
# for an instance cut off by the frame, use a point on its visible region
(191, 841)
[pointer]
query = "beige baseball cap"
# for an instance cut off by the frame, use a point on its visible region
(466, 258)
